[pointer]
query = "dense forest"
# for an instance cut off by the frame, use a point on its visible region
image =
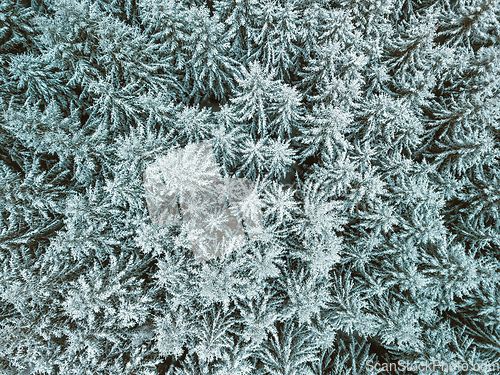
(370, 133)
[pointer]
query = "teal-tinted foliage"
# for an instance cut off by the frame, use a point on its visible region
(371, 131)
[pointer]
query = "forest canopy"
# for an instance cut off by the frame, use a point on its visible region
(368, 132)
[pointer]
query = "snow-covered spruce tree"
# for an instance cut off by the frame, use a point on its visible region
(322, 134)
(124, 10)
(280, 156)
(276, 36)
(469, 23)
(207, 56)
(165, 25)
(388, 124)
(226, 138)
(256, 90)
(289, 350)
(240, 18)
(34, 80)
(18, 31)
(347, 357)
